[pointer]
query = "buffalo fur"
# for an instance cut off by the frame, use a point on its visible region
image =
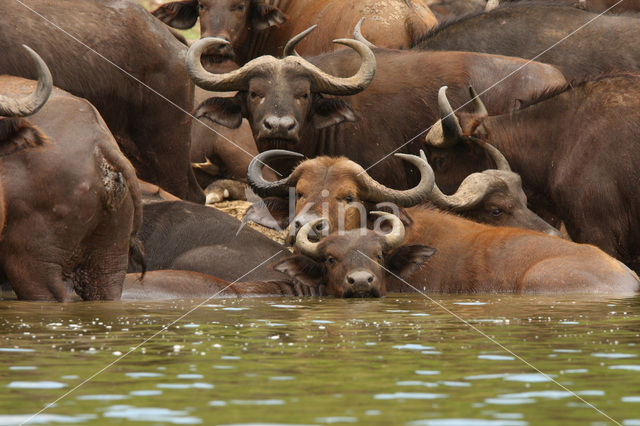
(17, 135)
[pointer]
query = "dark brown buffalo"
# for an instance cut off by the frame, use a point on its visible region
(69, 199)
(187, 236)
(525, 29)
(469, 257)
(153, 133)
(255, 27)
(577, 151)
(170, 284)
(286, 105)
(338, 185)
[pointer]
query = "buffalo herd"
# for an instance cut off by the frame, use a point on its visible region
(453, 146)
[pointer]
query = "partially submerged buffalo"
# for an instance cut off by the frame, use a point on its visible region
(326, 184)
(581, 165)
(470, 257)
(256, 27)
(69, 200)
(287, 103)
(135, 77)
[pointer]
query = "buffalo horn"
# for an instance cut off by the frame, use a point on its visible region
(290, 47)
(376, 192)
(225, 82)
(393, 239)
(478, 106)
(447, 131)
(264, 188)
(357, 34)
(498, 158)
(29, 105)
(302, 239)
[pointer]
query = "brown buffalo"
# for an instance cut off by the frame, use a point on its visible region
(255, 27)
(171, 284)
(286, 103)
(133, 77)
(354, 263)
(576, 149)
(469, 257)
(70, 200)
(342, 192)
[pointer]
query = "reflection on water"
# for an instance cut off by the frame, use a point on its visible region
(396, 360)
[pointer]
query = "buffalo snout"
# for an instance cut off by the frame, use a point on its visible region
(279, 127)
(360, 283)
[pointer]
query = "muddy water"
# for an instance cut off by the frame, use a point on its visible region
(397, 360)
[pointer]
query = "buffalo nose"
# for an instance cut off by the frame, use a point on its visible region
(283, 124)
(360, 278)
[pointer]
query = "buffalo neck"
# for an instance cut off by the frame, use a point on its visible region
(531, 142)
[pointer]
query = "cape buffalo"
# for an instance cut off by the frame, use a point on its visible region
(285, 100)
(170, 284)
(134, 56)
(256, 27)
(69, 199)
(463, 257)
(576, 149)
(186, 236)
(340, 191)
(529, 29)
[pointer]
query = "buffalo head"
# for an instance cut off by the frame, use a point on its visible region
(283, 99)
(354, 263)
(494, 196)
(335, 189)
(230, 20)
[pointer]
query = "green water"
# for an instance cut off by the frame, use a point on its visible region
(396, 360)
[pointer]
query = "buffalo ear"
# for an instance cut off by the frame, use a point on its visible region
(329, 112)
(224, 111)
(178, 14)
(407, 259)
(264, 16)
(271, 212)
(302, 269)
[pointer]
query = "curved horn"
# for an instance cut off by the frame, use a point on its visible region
(491, 4)
(498, 158)
(376, 192)
(226, 82)
(478, 106)
(32, 103)
(290, 47)
(357, 34)
(322, 82)
(302, 239)
(471, 191)
(262, 187)
(447, 131)
(393, 239)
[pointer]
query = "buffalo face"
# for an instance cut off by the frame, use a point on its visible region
(230, 20)
(355, 263)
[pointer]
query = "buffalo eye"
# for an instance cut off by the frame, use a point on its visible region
(379, 257)
(240, 7)
(496, 212)
(253, 95)
(299, 195)
(201, 6)
(348, 199)
(305, 96)
(331, 261)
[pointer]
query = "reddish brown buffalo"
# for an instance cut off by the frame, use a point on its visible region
(255, 27)
(285, 100)
(70, 200)
(132, 50)
(338, 185)
(577, 150)
(171, 284)
(470, 257)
